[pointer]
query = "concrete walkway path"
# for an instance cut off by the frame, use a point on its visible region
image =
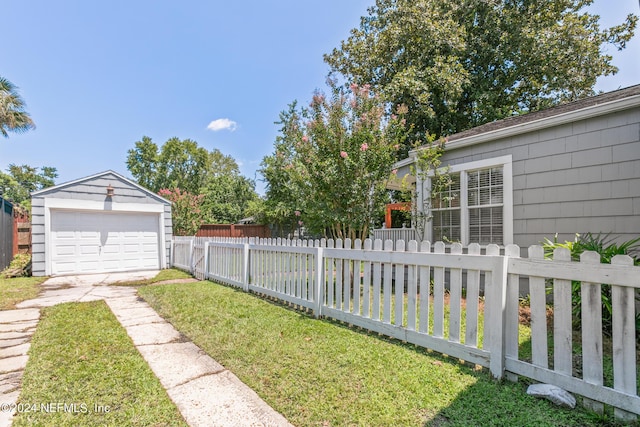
(203, 390)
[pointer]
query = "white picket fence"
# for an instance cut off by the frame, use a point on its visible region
(405, 292)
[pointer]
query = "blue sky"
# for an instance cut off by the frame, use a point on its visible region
(97, 76)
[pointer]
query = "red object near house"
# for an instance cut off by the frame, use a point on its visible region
(404, 206)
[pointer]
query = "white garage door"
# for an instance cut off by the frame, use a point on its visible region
(92, 242)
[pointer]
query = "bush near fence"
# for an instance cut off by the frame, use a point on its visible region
(354, 282)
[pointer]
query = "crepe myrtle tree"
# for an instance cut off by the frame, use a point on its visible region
(332, 161)
(186, 210)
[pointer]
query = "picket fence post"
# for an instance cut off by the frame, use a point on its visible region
(245, 267)
(191, 264)
(591, 315)
(511, 323)
(318, 282)
(538, 295)
(562, 328)
(624, 346)
(205, 273)
(497, 312)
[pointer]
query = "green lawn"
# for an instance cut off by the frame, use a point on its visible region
(13, 291)
(321, 373)
(81, 357)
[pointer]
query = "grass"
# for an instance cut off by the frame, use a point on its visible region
(81, 356)
(16, 290)
(322, 373)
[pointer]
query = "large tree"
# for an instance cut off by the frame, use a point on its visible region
(227, 197)
(331, 162)
(227, 193)
(21, 180)
(460, 63)
(195, 179)
(177, 164)
(13, 117)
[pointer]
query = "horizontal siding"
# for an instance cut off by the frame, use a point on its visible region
(37, 236)
(573, 178)
(168, 233)
(96, 189)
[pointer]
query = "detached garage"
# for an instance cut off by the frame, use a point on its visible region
(99, 224)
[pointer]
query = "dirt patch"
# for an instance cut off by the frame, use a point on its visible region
(524, 311)
(181, 339)
(524, 315)
(171, 281)
(58, 287)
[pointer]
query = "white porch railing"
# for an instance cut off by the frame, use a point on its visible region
(401, 293)
(395, 234)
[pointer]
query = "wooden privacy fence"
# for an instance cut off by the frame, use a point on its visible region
(234, 230)
(465, 305)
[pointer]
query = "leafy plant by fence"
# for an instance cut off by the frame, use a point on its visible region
(415, 294)
(606, 247)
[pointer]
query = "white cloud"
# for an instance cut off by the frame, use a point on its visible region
(222, 124)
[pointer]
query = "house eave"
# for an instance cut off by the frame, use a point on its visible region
(547, 122)
(532, 126)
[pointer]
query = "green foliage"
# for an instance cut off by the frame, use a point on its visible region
(206, 184)
(606, 246)
(13, 117)
(178, 164)
(20, 266)
(331, 163)
(227, 198)
(142, 163)
(460, 63)
(21, 180)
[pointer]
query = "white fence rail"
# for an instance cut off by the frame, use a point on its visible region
(415, 294)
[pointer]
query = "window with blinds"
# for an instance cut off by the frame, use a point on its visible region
(485, 201)
(445, 208)
(471, 209)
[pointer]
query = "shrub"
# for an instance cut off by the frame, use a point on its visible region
(20, 266)
(605, 245)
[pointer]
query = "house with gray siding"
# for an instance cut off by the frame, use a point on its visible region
(97, 224)
(574, 168)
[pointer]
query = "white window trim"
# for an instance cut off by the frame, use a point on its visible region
(507, 211)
